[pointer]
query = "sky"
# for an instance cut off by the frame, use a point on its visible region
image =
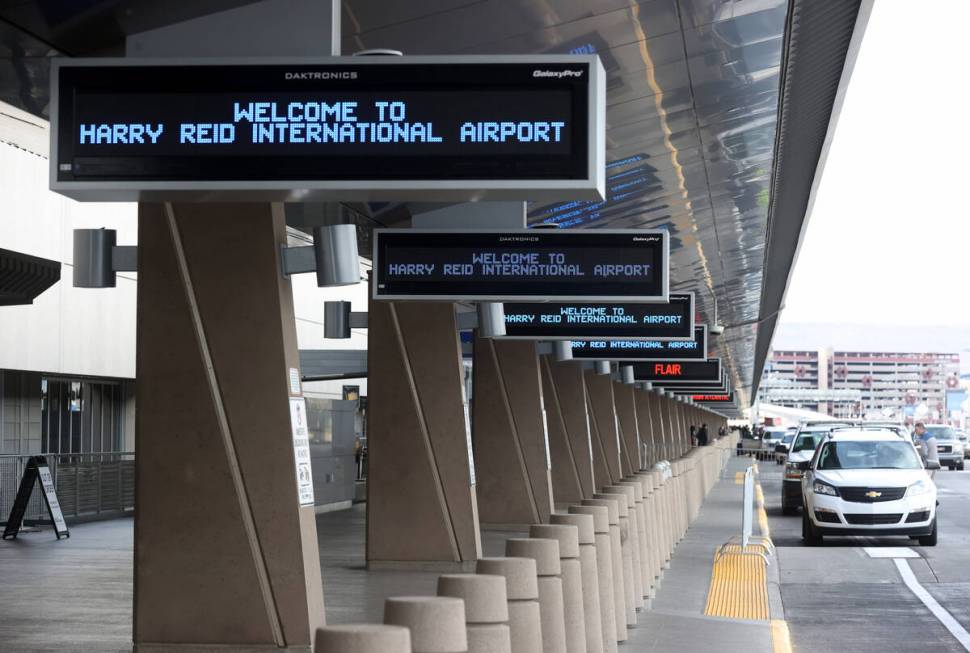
(888, 239)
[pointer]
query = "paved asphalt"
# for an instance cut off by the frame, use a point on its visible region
(836, 598)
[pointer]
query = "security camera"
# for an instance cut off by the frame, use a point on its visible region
(717, 329)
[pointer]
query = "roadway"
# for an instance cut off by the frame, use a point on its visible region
(838, 598)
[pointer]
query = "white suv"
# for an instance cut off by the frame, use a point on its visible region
(868, 482)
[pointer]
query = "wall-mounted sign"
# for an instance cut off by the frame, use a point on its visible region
(301, 450)
(433, 128)
(602, 320)
(675, 372)
(687, 390)
(711, 387)
(527, 265)
(644, 350)
(724, 398)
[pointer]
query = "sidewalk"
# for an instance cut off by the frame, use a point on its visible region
(78, 597)
(677, 621)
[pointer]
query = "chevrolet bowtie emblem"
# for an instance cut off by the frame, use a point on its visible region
(872, 494)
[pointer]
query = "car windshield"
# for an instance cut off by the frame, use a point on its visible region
(879, 454)
(941, 432)
(788, 438)
(807, 441)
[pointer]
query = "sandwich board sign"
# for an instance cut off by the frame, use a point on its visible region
(36, 470)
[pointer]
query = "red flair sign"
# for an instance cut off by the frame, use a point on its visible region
(711, 398)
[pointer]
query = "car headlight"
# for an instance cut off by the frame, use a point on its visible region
(919, 487)
(824, 488)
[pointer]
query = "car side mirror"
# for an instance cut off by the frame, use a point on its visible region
(805, 465)
(932, 464)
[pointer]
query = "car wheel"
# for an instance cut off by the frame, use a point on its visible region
(929, 540)
(787, 508)
(960, 466)
(810, 535)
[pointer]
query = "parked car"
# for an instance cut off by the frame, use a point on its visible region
(962, 437)
(771, 437)
(868, 482)
(781, 449)
(799, 455)
(948, 445)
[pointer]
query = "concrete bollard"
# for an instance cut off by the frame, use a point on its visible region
(632, 583)
(572, 580)
(613, 624)
(654, 527)
(522, 589)
(362, 638)
(641, 583)
(592, 612)
(624, 607)
(663, 487)
(549, 570)
(486, 609)
(437, 623)
(639, 509)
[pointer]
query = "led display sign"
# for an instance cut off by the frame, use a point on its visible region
(441, 128)
(727, 398)
(529, 265)
(602, 320)
(675, 372)
(713, 387)
(644, 350)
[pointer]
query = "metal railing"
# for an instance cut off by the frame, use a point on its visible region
(89, 485)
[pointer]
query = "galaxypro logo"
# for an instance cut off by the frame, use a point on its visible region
(322, 75)
(558, 74)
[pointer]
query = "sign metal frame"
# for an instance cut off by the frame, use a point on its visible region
(552, 338)
(647, 356)
(664, 268)
(669, 384)
(590, 187)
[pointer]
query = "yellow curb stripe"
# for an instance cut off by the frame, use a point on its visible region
(780, 636)
(739, 587)
(739, 478)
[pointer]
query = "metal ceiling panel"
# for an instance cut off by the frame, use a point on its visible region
(694, 93)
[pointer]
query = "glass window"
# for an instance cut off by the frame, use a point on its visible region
(880, 454)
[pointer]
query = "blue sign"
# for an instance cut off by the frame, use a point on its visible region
(644, 350)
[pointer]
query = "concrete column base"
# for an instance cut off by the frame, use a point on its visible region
(147, 647)
(445, 567)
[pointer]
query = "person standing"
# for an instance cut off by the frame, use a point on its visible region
(928, 450)
(702, 436)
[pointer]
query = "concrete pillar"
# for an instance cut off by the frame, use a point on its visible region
(623, 599)
(611, 599)
(486, 609)
(646, 429)
(603, 431)
(421, 504)
(221, 532)
(437, 623)
(522, 587)
(592, 612)
(549, 571)
(624, 401)
(569, 439)
(514, 484)
(363, 638)
(572, 581)
(661, 428)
